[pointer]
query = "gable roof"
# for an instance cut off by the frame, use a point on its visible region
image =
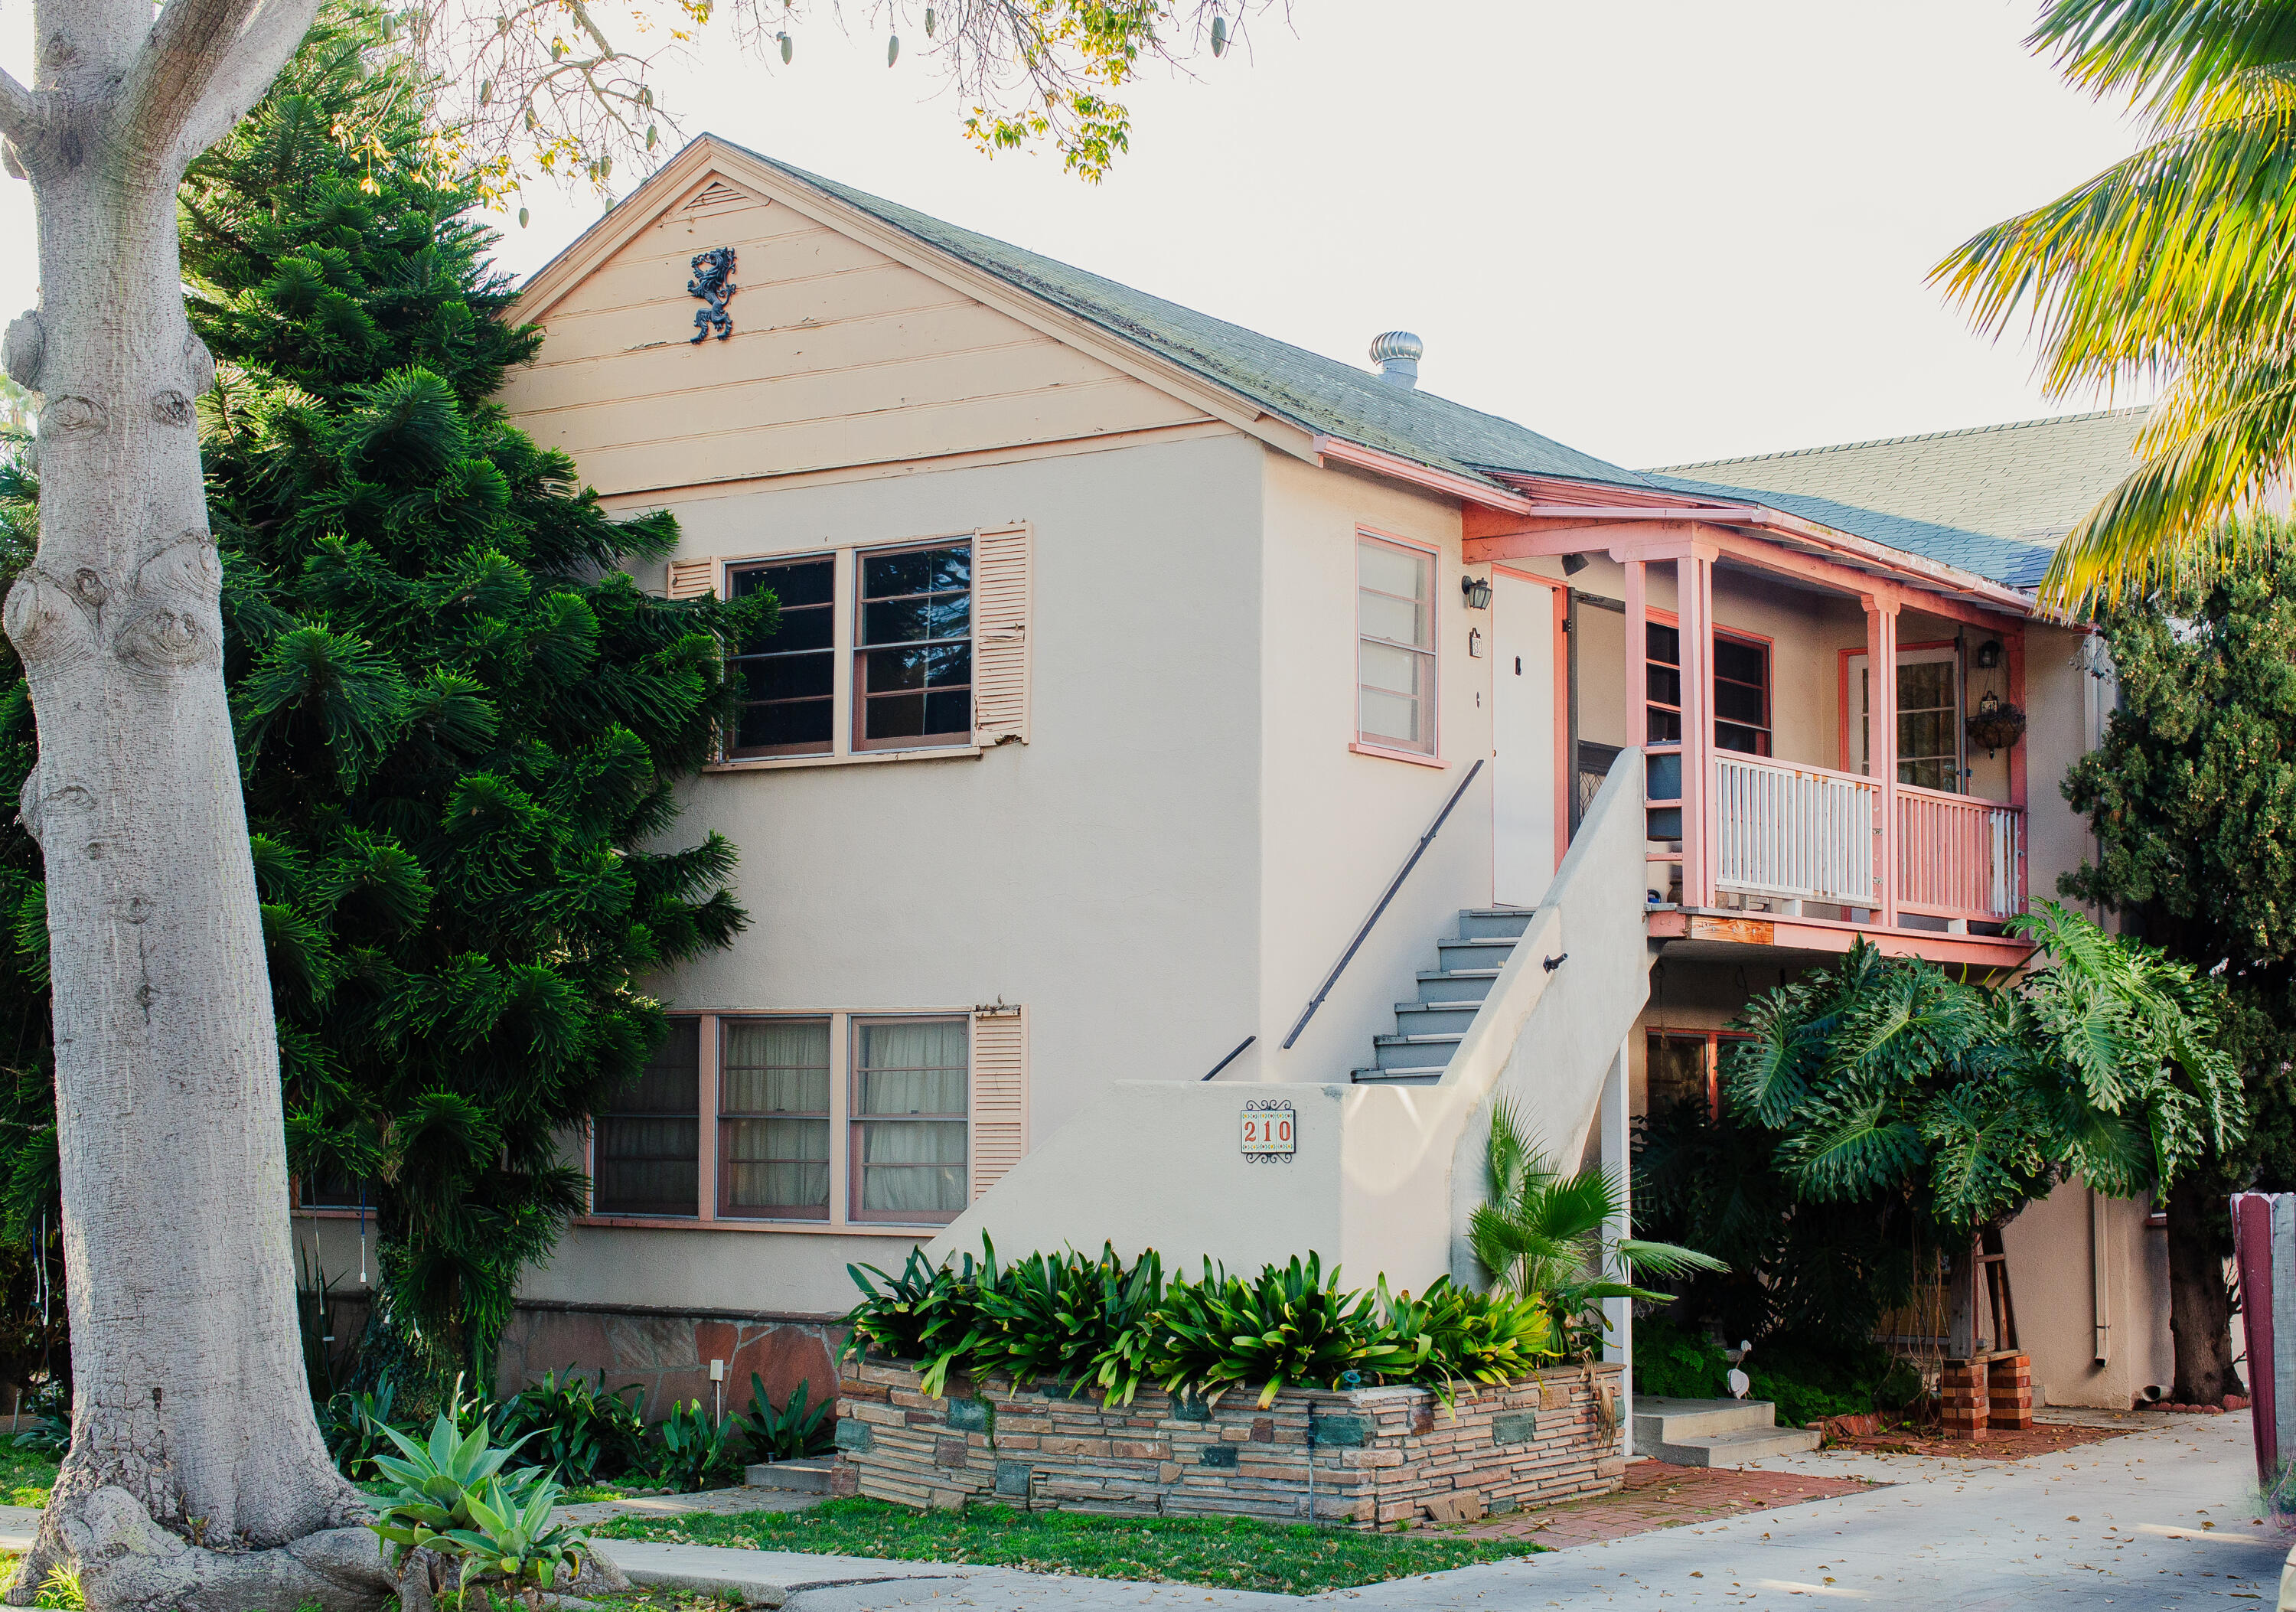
(1993, 499)
(1319, 394)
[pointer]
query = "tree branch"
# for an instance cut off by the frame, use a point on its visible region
(205, 64)
(20, 111)
(255, 61)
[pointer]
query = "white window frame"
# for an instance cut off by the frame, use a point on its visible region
(1384, 746)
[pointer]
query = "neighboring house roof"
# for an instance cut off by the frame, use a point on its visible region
(1993, 499)
(1320, 394)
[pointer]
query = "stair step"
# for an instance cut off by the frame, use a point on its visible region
(1507, 922)
(1481, 952)
(1422, 1018)
(1455, 984)
(1414, 1051)
(1425, 1076)
(1674, 1419)
(1734, 1448)
(807, 1474)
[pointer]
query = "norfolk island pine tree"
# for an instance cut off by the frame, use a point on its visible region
(157, 944)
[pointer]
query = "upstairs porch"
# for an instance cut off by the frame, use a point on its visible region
(1801, 702)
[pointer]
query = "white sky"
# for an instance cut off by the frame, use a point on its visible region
(1669, 231)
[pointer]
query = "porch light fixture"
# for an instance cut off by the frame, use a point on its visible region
(1988, 654)
(1476, 591)
(1573, 563)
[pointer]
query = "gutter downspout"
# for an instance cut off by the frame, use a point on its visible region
(2100, 1277)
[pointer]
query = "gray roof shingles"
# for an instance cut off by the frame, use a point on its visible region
(1991, 501)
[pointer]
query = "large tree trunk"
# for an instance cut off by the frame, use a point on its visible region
(2200, 1300)
(190, 1409)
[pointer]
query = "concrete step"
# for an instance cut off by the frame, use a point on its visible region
(1455, 984)
(1413, 1051)
(1734, 1448)
(1425, 1075)
(1435, 1018)
(1481, 952)
(806, 1474)
(1479, 922)
(1673, 1418)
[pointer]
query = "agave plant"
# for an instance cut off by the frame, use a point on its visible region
(511, 1538)
(1543, 1232)
(437, 1483)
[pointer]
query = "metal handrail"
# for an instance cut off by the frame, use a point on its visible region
(1402, 873)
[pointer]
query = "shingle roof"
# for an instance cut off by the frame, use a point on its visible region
(1993, 499)
(1315, 393)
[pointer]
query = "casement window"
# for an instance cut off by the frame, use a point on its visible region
(757, 1119)
(1395, 646)
(1742, 690)
(649, 1142)
(879, 649)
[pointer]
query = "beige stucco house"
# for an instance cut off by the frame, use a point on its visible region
(1193, 779)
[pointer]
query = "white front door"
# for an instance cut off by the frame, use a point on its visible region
(1929, 718)
(1528, 813)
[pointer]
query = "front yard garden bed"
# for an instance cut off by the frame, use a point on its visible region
(1224, 1552)
(1381, 1455)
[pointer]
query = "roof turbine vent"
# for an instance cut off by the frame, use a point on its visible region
(1398, 352)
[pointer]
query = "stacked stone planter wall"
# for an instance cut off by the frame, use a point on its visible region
(1381, 1455)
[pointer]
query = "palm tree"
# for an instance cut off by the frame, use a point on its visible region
(1543, 1232)
(2177, 266)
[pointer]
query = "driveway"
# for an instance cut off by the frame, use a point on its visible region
(2160, 1519)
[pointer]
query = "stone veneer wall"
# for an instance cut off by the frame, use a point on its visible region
(1382, 1455)
(668, 1353)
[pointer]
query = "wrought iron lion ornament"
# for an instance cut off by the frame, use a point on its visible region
(713, 283)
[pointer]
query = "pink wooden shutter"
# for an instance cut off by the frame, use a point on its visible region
(693, 579)
(1000, 670)
(1000, 1092)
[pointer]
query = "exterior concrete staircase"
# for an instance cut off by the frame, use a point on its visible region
(1427, 1031)
(1716, 1432)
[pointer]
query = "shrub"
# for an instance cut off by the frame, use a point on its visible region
(580, 1431)
(691, 1452)
(1671, 1362)
(455, 1501)
(790, 1432)
(354, 1426)
(1101, 1323)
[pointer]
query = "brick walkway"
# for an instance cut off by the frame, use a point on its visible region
(1656, 1495)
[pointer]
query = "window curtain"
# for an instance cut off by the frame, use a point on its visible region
(777, 1068)
(913, 1165)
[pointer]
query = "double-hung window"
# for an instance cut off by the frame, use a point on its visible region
(913, 655)
(910, 1078)
(787, 677)
(852, 1119)
(1395, 646)
(649, 1141)
(1741, 685)
(878, 642)
(772, 1118)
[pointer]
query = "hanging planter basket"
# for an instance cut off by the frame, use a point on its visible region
(1997, 724)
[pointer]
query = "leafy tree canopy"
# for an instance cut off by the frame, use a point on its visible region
(461, 724)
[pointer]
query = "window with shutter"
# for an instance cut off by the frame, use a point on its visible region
(693, 579)
(1001, 589)
(1000, 1093)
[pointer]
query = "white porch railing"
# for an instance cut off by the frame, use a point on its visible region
(1795, 833)
(1958, 854)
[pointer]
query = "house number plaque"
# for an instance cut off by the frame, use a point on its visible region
(1271, 1129)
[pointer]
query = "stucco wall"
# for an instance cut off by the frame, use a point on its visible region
(1105, 874)
(1337, 823)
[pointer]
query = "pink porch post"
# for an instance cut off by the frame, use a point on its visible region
(1882, 747)
(1694, 588)
(1637, 657)
(2016, 658)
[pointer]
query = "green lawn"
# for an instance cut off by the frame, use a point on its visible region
(1227, 1553)
(25, 1475)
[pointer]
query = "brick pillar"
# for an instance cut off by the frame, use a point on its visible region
(2009, 1383)
(1967, 1398)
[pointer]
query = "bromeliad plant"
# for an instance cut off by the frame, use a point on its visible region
(1101, 1324)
